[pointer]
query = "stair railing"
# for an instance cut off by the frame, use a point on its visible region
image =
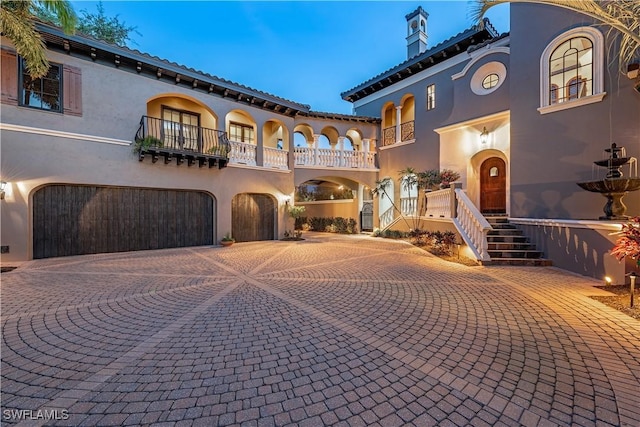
(473, 227)
(386, 218)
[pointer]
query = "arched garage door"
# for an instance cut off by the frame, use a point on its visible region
(78, 219)
(253, 217)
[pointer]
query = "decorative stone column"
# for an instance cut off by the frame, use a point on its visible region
(316, 153)
(341, 151)
(398, 124)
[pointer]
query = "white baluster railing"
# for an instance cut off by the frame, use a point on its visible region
(369, 160)
(386, 218)
(409, 206)
(472, 226)
(439, 203)
(275, 158)
(351, 159)
(242, 153)
(304, 156)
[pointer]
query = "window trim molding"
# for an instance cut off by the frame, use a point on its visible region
(597, 39)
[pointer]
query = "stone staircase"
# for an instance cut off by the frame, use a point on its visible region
(508, 245)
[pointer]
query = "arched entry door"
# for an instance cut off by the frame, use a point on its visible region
(493, 186)
(253, 217)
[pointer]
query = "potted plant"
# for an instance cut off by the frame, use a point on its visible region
(447, 176)
(145, 143)
(296, 212)
(227, 240)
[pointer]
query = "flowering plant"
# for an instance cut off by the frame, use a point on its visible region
(447, 176)
(628, 244)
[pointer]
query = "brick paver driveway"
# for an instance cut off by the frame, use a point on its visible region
(332, 330)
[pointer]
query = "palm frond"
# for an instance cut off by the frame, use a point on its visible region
(620, 15)
(62, 10)
(17, 25)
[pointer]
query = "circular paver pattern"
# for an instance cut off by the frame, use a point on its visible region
(333, 330)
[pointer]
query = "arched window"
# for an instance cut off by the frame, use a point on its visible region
(571, 69)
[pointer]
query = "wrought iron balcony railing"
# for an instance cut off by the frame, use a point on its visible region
(173, 140)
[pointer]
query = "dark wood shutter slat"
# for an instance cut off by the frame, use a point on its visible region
(9, 71)
(72, 90)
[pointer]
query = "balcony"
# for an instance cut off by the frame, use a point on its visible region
(329, 158)
(182, 142)
(403, 133)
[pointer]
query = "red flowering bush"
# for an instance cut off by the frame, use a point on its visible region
(447, 176)
(628, 244)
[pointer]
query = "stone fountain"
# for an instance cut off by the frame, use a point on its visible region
(614, 186)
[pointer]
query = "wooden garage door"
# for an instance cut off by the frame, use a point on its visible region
(75, 220)
(253, 217)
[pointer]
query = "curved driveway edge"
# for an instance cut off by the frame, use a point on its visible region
(333, 330)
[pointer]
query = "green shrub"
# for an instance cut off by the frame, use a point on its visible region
(331, 225)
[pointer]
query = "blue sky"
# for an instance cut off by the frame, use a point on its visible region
(308, 52)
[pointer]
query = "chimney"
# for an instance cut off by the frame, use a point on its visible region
(416, 32)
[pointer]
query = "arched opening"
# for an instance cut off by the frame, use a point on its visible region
(275, 135)
(354, 137)
(181, 123)
(253, 217)
(180, 102)
(407, 118)
(388, 115)
(493, 186)
(385, 203)
(275, 140)
(324, 142)
(477, 176)
(331, 134)
(242, 130)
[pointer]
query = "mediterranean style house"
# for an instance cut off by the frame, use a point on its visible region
(116, 150)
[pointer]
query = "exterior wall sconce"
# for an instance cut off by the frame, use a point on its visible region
(287, 200)
(3, 185)
(484, 136)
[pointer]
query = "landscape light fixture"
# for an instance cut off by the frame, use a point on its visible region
(484, 136)
(3, 185)
(607, 280)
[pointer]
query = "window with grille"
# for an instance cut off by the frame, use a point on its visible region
(44, 93)
(571, 70)
(431, 97)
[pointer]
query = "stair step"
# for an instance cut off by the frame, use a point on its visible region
(503, 226)
(507, 239)
(515, 253)
(505, 232)
(501, 246)
(527, 262)
(497, 220)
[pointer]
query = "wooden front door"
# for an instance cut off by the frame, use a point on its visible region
(253, 217)
(493, 186)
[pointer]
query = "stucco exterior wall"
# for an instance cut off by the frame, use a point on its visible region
(579, 246)
(33, 160)
(551, 152)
